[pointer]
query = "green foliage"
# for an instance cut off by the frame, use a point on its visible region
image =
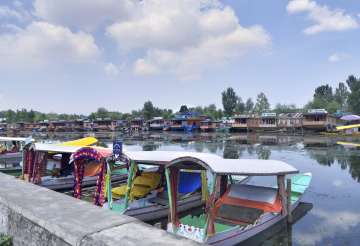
(324, 98)
(324, 92)
(262, 104)
(240, 106)
(285, 108)
(354, 96)
(183, 109)
(229, 101)
(5, 240)
(341, 95)
(249, 106)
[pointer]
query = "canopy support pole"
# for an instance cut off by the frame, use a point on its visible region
(282, 192)
(288, 191)
(129, 184)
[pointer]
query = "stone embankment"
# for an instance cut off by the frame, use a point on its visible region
(33, 215)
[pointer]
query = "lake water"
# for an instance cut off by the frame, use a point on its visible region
(334, 194)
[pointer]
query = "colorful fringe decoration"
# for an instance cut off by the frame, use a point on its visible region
(80, 158)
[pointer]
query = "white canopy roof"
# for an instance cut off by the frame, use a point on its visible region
(55, 148)
(9, 139)
(217, 164)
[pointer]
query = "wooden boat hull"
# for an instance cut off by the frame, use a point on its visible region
(233, 237)
(159, 212)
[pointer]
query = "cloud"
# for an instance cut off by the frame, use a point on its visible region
(111, 70)
(41, 42)
(82, 14)
(324, 18)
(328, 224)
(6, 12)
(336, 57)
(184, 37)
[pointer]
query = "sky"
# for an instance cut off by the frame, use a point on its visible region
(76, 56)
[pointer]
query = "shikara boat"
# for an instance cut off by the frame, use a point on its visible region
(11, 154)
(144, 196)
(235, 212)
(49, 165)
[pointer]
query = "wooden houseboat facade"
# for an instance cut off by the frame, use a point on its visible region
(104, 125)
(241, 123)
(318, 120)
(137, 124)
(209, 125)
(290, 121)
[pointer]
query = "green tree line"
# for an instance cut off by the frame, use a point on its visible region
(345, 97)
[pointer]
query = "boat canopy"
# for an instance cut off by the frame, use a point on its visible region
(217, 164)
(347, 127)
(9, 139)
(80, 142)
(41, 147)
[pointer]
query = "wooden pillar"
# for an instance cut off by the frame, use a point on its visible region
(282, 192)
(288, 195)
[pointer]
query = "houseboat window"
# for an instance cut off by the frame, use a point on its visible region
(268, 121)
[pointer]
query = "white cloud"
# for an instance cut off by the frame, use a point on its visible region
(82, 14)
(183, 37)
(6, 12)
(336, 57)
(111, 70)
(329, 223)
(324, 18)
(41, 42)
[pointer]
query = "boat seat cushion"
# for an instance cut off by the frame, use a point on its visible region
(142, 186)
(253, 193)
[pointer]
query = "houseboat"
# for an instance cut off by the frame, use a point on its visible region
(318, 120)
(78, 125)
(157, 124)
(209, 125)
(43, 126)
(240, 123)
(59, 126)
(137, 124)
(186, 122)
(31, 126)
(3, 127)
(290, 121)
(104, 125)
(268, 122)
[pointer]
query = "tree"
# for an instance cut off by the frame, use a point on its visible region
(148, 110)
(249, 105)
(240, 106)
(285, 108)
(324, 92)
(184, 109)
(333, 106)
(262, 104)
(354, 96)
(341, 95)
(229, 101)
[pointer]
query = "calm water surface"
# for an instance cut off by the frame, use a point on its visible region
(333, 198)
